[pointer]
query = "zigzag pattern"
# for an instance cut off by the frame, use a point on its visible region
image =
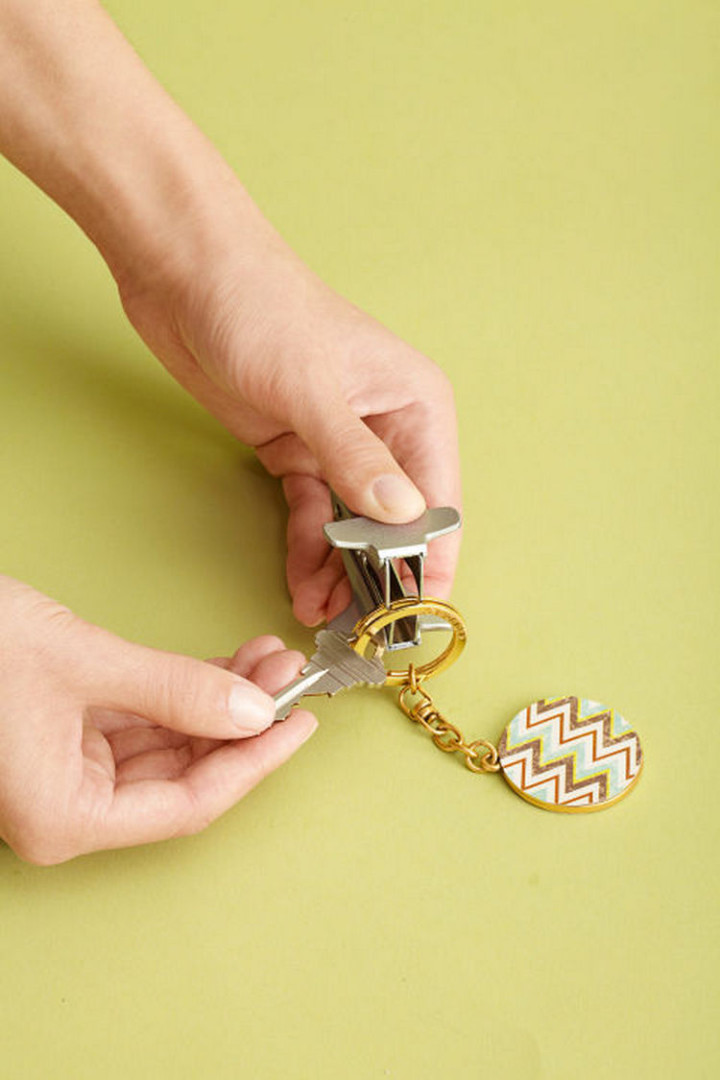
(570, 754)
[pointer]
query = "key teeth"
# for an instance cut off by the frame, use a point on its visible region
(332, 668)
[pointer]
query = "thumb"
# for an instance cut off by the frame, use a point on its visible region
(358, 465)
(171, 690)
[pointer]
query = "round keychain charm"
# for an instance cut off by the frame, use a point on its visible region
(570, 754)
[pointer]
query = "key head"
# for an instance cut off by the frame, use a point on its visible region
(383, 542)
(342, 666)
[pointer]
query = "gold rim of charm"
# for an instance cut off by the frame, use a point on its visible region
(411, 607)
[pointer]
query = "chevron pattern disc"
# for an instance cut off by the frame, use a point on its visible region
(570, 754)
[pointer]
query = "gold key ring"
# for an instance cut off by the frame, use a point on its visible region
(406, 608)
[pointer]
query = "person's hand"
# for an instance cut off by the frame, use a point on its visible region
(104, 743)
(326, 394)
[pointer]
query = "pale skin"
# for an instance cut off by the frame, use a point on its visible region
(105, 743)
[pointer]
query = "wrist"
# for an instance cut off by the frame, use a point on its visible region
(176, 210)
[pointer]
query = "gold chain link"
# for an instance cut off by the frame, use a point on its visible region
(445, 735)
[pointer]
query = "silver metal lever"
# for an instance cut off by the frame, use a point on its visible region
(369, 551)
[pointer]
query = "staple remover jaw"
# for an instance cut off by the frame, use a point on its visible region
(370, 551)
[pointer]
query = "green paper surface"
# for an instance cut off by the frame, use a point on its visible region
(528, 193)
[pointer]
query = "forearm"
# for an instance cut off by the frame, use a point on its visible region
(82, 116)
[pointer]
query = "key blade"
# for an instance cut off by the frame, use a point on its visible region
(290, 695)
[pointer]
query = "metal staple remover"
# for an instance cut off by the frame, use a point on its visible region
(371, 552)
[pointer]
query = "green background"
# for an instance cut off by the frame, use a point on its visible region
(527, 192)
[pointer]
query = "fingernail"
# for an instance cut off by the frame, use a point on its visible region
(251, 711)
(398, 496)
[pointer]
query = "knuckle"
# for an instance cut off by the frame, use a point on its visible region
(170, 689)
(41, 855)
(364, 454)
(40, 620)
(42, 840)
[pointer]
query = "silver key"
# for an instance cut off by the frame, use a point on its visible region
(334, 666)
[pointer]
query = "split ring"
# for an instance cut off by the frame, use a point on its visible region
(406, 608)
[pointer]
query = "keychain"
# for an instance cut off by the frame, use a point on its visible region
(567, 754)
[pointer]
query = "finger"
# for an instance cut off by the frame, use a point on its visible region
(311, 597)
(109, 721)
(166, 753)
(160, 758)
(438, 571)
(339, 600)
(356, 463)
(274, 672)
(142, 740)
(424, 440)
(173, 691)
(246, 658)
(309, 509)
(287, 454)
(158, 753)
(149, 810)
(441, 564)
(167, 764)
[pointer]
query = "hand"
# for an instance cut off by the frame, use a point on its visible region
(326, 394)
(104, 743)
